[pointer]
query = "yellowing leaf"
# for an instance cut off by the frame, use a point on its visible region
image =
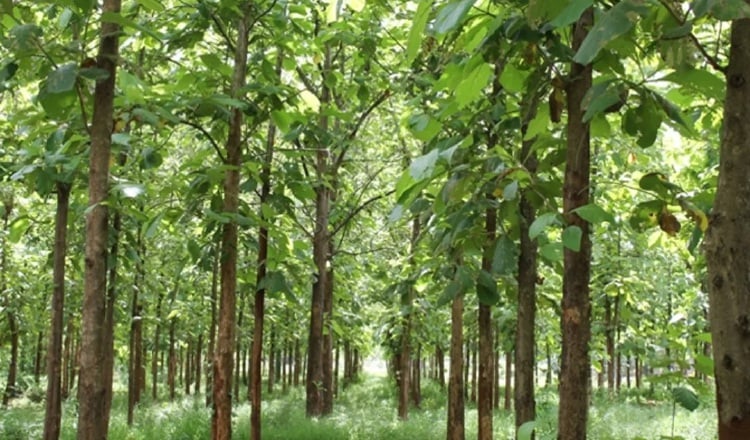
(356, 5)
(309, 101)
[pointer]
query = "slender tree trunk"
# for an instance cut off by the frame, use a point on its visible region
(576, 301)
(198, 364)
(440, 366)
(135, 352)
(486, 340)
(212, 328)
(260, 292)
(92, 388)
(68, 361)
(221, 423)
(38, 357)
(455, 429)
(416, 376)
(525, 403)
(297, 362)
(508, 380)
(271, 361)
(726, 241)
(473, 377)
(328, 329)
(10, 384)
(53, 414)
(155, 351)
(404, 356)
(172, 361)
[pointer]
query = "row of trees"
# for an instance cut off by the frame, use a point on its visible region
(244, 153)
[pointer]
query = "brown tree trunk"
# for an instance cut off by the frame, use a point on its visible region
(172, 361)
(10, 384)
(726, 241)
(212, 328)
(260, 292)
(404, 356)
(524, 400)
(221, 423)
(53, 414)
(440, 354)
(486, 340)
(328, 331)
(455, 429)
(198, 364)
(297, 362)
(609, 338)
(135, 343)
(38, 356)
(416, 379)
(271, 361)
(155, 351)
(92, 387)
(68, 360)
(576, 301)
(508, 397)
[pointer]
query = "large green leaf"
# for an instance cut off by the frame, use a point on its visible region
(63, 78)
(541, 223)
(727, 9)
(686, 398)
(451, 15)
(526, 430)
(423, 166)
(117, 18)
(704, 364)
(571, 237)
(699, 80)
(18, 228)
(472, 86)
(505, 256)
(594, 213)
(487, 289)
(613, 23)
(571, 13)
(417, 29)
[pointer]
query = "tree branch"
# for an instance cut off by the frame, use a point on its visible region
(208, 135)
(709, 59)
(360, 121)
(359, 209)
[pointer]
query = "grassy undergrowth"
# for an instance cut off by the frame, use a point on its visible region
(366, 411)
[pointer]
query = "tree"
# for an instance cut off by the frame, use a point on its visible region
(576, 301)
(92, 391)
(726, 237)
(221, 424)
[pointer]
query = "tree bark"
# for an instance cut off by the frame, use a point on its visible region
(404, 356)
(53, 414)
(262, 269)
(486, 340)
(92, 392)
(212, 328)
(727, 239)
(455, 429)
(155, 351)
(576, 301)
(221, 423)
(135, 352)
(315, 402)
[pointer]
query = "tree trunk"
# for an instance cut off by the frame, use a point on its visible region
(53, 414)
(221, 423)
(172, 361)
(297, 362)
(260, 291)
(508, 380)
(92, 388)
(524, 400)
(155, 351)
(609, 337)
(576, 301)
(198, 364)
(404, 356)
(486, 340)
(212, 328)
(135, 343)
(68, 360)
(38, 356)
(726, 241)
(455, 429)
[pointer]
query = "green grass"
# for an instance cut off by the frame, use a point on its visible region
(366, 411)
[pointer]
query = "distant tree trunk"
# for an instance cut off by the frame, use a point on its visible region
(473, 377)
(404, 356)
(92, 387)
(38, 356)
(10, 383)
(221, 423)
(271, 360)
(155, 351)
(440, 360)
(486, 341)
(135, 345)
(198, 364)
(726, 240)
(508, 380)
(53, 415)
(416, 379)
(68, 360)
(576, 301)
(212, 328)
(455, 429)
(328, 332)
(297, 362)
(609, 337)
(172, 361)
(187, 369)
(336, 359)
(525, 362)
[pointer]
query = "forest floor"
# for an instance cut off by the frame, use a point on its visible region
(367, 411)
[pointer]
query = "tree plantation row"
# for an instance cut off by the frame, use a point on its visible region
(224, 197)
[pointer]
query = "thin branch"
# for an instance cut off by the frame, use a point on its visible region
(709, 59)
(307, 82)
(262, 14)
(360, 121)
(208, 135)
(359, 209)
